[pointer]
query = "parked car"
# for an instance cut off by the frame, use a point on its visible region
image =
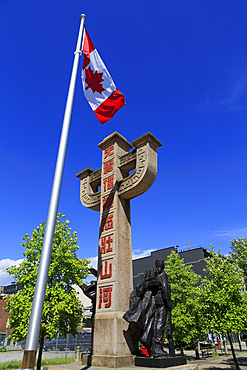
(60, 343)
(50, 345)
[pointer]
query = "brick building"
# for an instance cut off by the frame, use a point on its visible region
(9, 289)
(3, 322)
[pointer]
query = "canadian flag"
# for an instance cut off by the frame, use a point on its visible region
(99, 89)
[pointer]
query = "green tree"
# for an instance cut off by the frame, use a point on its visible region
(223, 298)
(185, 296)
(239, 253)
(62, 312)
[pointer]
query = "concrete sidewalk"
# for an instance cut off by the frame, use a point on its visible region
(209, 363)
(221, 362)
(78, 366)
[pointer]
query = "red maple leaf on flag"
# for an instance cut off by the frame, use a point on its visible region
(94, 80)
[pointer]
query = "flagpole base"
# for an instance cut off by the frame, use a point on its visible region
(28, 361)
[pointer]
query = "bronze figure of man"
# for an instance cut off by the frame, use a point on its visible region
(150, 305)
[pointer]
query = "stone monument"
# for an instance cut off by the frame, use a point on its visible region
(111, 348)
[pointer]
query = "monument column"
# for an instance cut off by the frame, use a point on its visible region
(114, 260)
(115, 280)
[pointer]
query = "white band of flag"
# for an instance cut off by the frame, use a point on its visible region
(99, 89)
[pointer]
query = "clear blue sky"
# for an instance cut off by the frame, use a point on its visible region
(182, 66)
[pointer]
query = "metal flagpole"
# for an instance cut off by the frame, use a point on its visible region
(28, 361)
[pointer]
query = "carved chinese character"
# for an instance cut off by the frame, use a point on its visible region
(108, 183)
(107, 222)
(109, 151)
(106, 241)
(105, 296)
(106, 275)
(108, 166)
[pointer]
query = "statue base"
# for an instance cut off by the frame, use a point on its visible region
(86, 359)
(160, 361)
(112, 361)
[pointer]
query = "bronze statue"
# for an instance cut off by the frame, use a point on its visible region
(90, 290)
(150, 305)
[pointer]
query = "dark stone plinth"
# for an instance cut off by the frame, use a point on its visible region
(86, 359)
(160, 361)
